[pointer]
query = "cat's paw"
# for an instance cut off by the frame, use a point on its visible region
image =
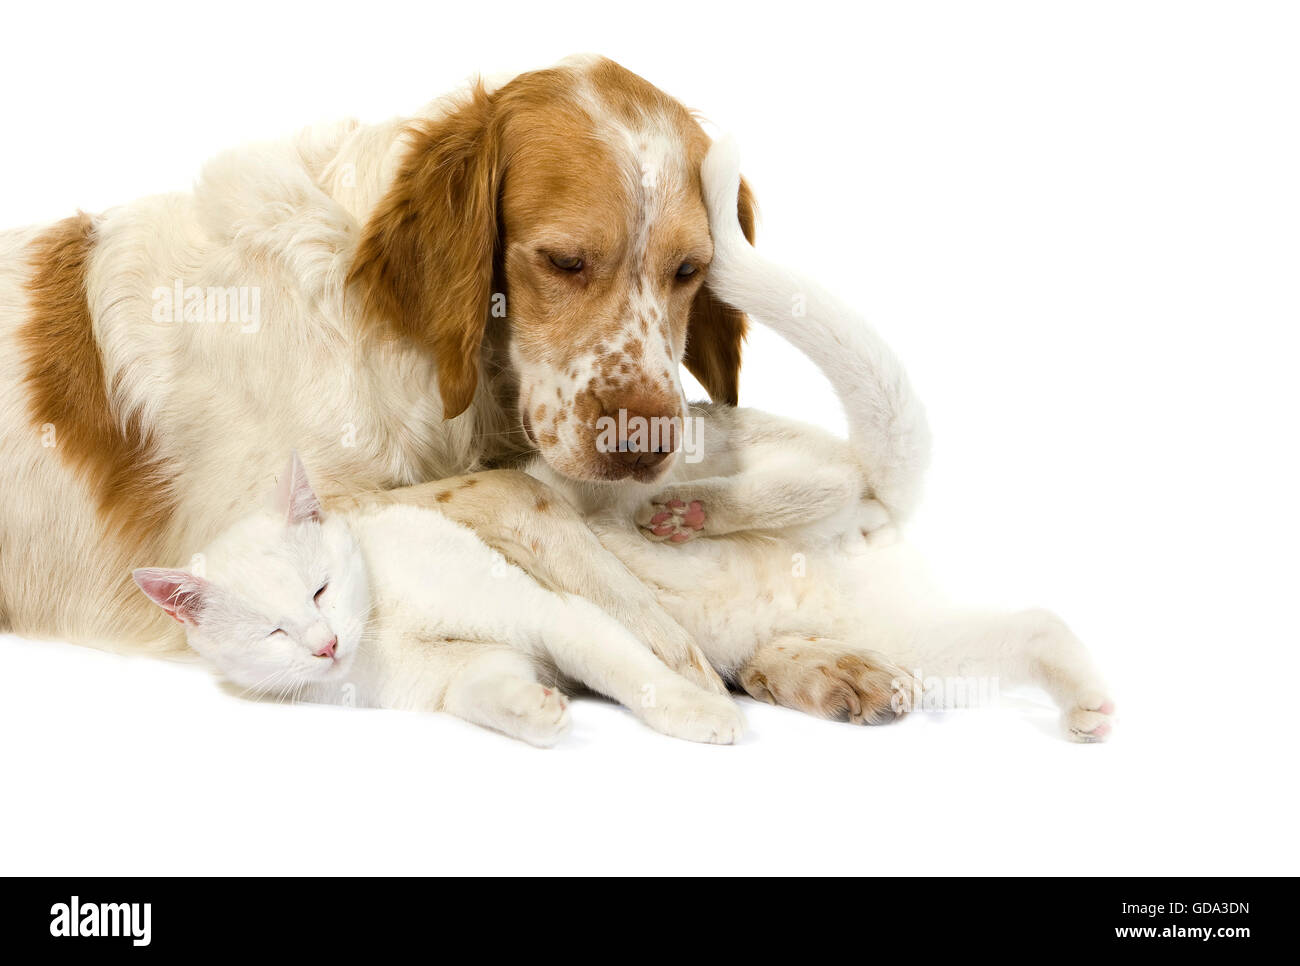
(1091, 719)
(671, 520)
(693, 715)
(535, 713)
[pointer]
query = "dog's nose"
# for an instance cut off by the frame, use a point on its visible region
(328, 649)
(641, 460)
(638, 437)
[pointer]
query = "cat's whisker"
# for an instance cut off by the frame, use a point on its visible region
(255, 691)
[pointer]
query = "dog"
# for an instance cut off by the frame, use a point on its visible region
(491, 279)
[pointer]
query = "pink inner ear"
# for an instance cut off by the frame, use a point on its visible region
(178, 592)
(295, 498)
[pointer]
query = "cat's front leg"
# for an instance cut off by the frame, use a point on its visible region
(589, 646)
(499, 690)
(487, 684)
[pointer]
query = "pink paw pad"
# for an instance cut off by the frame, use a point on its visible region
(678, 521)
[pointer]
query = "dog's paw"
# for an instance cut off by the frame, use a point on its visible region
(694, 715)
(671, 520)
(1091, 720)
(827, 679)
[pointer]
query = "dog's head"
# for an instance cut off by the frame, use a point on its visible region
(565, 205)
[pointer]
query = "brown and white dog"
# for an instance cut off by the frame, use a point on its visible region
(400, 302)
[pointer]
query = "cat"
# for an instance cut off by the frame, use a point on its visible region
(779, 550)
(397, 606)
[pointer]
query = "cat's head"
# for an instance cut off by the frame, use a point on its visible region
(282, 598)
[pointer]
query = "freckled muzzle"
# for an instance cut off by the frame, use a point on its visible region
(609, 433)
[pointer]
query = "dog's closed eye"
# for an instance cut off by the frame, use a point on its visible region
(567, 263)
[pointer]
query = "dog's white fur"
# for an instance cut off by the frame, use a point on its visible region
(222, 406)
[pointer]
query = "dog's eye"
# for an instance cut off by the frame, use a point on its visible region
(686, 269)
(567, 263)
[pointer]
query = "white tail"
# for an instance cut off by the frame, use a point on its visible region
(887, 424)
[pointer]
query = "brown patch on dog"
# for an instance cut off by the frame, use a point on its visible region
(829, 681)
(716, 334)
(444, 496)
(424, 266)
(66, 386)
(542, 504)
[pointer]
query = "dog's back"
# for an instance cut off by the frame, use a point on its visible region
(157, 361)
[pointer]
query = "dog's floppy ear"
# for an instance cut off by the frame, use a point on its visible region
(424, 266)
(716, 331)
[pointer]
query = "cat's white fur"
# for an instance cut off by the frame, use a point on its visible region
(396, 606)
(778, 551)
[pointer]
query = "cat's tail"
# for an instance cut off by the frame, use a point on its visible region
(887, 425)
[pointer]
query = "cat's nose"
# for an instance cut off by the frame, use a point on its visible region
(328, 649)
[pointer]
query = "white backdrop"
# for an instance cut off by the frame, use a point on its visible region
(1076, 223)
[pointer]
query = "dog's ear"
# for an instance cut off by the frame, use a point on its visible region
(424, 266)
(716, 332)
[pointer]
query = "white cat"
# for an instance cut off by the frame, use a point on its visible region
(397, 606)
(778, 549)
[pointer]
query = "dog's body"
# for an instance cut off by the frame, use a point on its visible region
(204, 409)
(432, 296)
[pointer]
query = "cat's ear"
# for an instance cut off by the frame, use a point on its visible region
(294, 496)
(178, 592)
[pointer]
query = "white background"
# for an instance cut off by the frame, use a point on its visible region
(1079, 224)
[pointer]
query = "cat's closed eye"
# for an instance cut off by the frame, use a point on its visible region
(323, 587)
